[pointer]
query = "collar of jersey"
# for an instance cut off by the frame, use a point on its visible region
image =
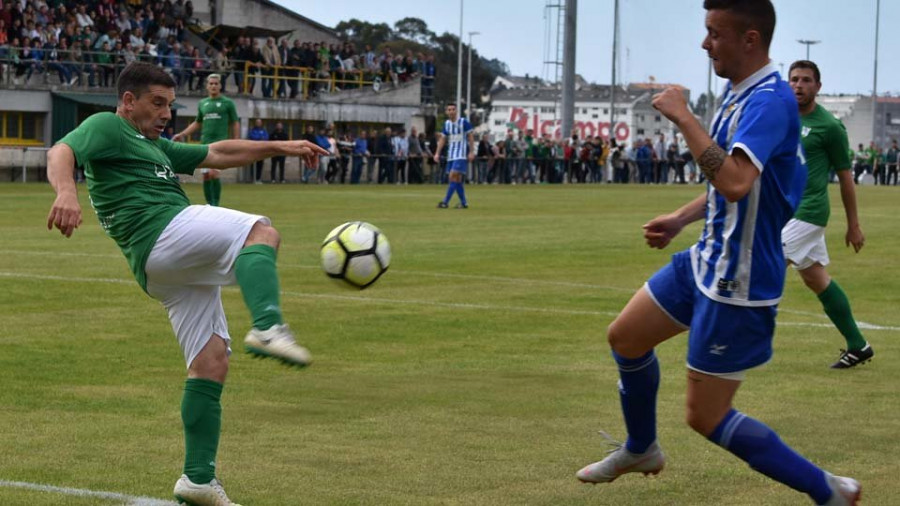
(754, 78)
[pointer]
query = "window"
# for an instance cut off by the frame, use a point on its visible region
(640, 131)
(548, 110)
(606, 110)
(498, 122)
(595, 116)
(21, 128)
(584, 110)
(658, 118)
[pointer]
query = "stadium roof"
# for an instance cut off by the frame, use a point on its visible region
(222, 32)
(99, 99)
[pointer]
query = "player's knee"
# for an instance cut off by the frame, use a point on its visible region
(701, 419)
(617, 339)
(263, 234)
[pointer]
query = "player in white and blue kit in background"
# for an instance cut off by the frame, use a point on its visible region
(725, 289)
(460, 151)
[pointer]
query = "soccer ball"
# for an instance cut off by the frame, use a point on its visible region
(357, 253)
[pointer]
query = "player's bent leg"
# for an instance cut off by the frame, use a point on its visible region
(837, 307)
(258, 278)
(815, 277)
(633, 335)
(709, 412)
(641, 326)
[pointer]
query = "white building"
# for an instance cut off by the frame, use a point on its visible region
(538, 109)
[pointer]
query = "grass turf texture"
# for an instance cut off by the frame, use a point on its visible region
(475, 372)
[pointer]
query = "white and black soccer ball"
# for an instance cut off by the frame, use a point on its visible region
(357, 253)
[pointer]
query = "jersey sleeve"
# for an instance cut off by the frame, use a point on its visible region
(445, 132)
(838, 147)
(467, 127)
(184, 157)
(95, 138)
(199, 118)
(761, 128)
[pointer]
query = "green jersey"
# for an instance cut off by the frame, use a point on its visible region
(826, 147)
(216, 115)
(131, 181)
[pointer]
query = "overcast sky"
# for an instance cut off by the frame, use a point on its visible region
(659, 38)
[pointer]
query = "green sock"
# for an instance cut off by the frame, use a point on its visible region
(216, 191)
(201, 413)
(207, 191)
(258, 279)
(837, 307)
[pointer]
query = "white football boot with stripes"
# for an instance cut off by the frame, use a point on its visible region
(621, 461)
(277, 342)
(845, 491)
(192, 494)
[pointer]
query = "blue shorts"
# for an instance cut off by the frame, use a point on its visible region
(457, 166)
(723, 338)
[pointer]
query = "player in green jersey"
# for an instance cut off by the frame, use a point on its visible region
(826, 147)
(218, 117)
(180, 254)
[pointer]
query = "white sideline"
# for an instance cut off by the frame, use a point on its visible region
(454, 305)
(130, 500)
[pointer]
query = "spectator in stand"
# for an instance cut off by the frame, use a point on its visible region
(270, 59)
(372, 156)
(400, 148)
(386, 160)
(661, 175)
(258, 133)
(220, 64)
(284, 57)
(360, 155)
(482, 154)
(891, 159)
(239, 57)
(255, 59)
(345, 151)
(308, 171)
(295, 59)
(672, 163)
(82, 17)
(415, 157)
(104, 65)
(323, 142)
(123, 23)
(278, 134)
(54, 62)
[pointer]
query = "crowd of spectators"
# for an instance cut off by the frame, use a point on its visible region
(395, 156)
(88, 42)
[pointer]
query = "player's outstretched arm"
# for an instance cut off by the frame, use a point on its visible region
(239, 152)
(732, 175)
(184, 134)
(65, 214)
(854, 235)
(660, 231)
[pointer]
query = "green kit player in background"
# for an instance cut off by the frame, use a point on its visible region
(218, 117)
(826, 147)
(180, 254)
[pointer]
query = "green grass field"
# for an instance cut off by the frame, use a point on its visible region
(475, 372)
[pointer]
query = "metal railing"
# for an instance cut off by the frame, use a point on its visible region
(99, 69)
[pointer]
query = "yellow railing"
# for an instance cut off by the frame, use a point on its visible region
(305, 75)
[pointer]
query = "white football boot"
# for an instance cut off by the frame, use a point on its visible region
(845, 491)
(621, 461)
(277, 342)
(192, 494)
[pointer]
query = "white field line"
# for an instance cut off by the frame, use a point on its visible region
(130, 500)
(413, 302)
(503, 279)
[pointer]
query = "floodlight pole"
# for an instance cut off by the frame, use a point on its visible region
(459, 62)
(469, 79)
(808, 43)
(875, 75)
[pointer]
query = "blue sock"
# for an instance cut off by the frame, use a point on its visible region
(450, 189)
(638, 384)
(460, 190)
(758, 445)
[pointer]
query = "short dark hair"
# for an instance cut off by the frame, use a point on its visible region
(138, 77)
(756, 14)
(806, 64)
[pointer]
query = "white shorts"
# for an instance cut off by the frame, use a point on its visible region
(190, 262)
(804, 244)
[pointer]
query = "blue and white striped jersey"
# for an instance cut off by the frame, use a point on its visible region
(457, 142)
(739, 258)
